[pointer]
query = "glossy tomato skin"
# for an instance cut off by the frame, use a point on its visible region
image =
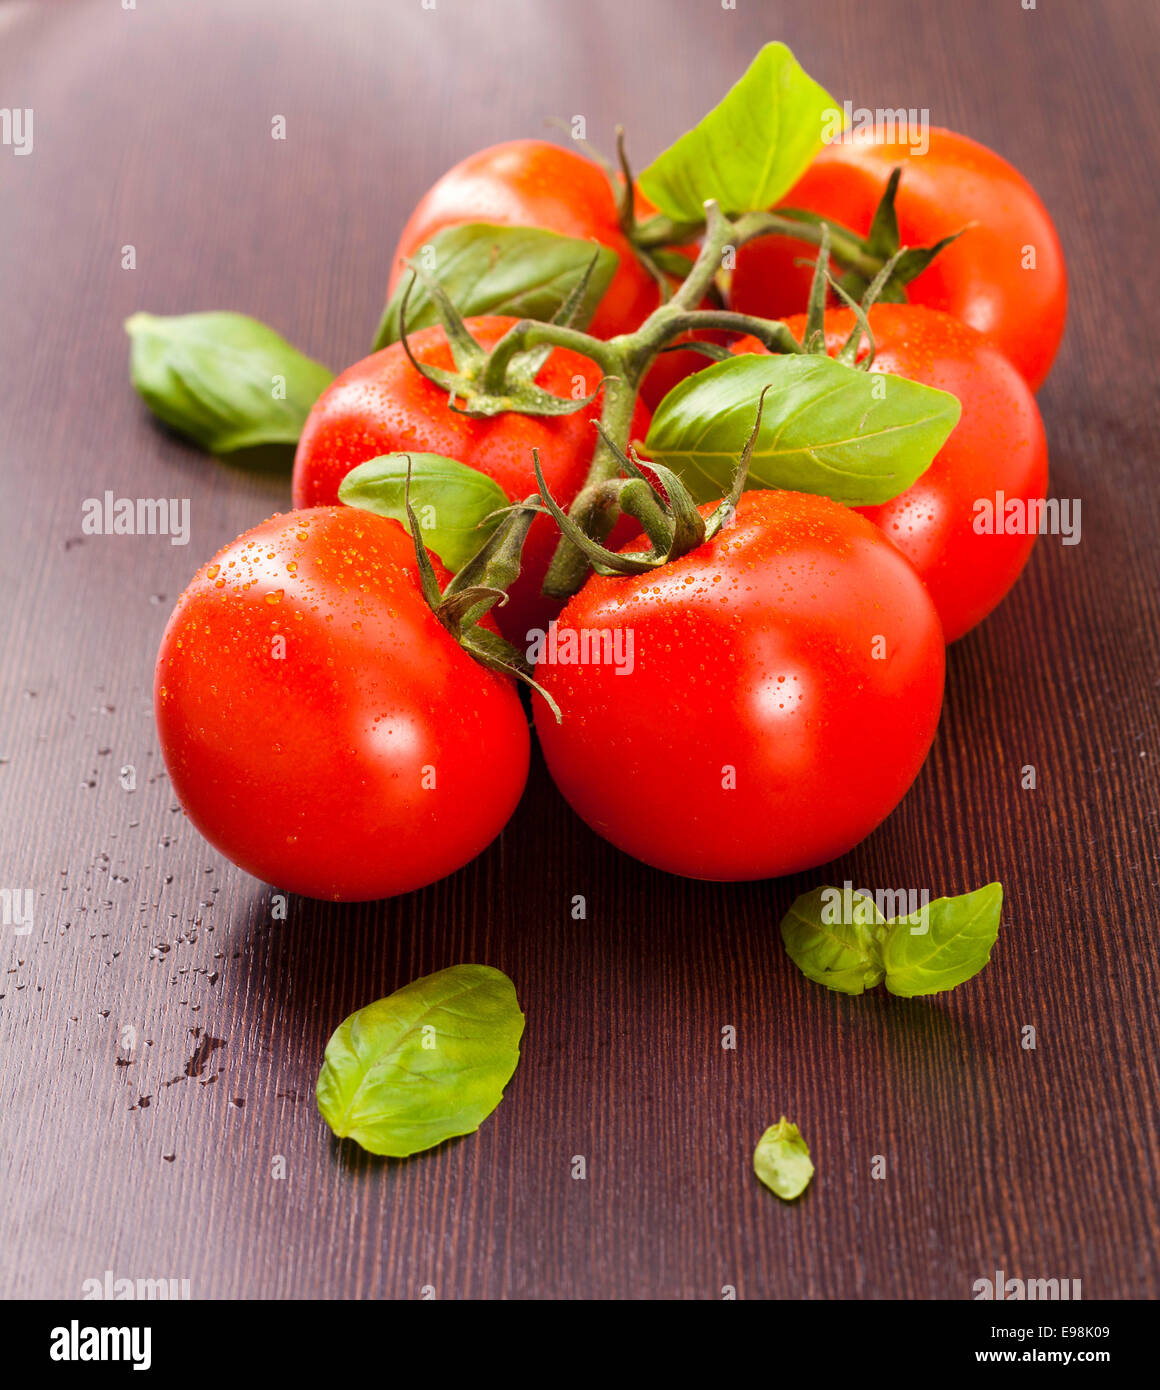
(755, 653)
(998, 446)
(319, 725)
(980, 278)
(383, 405)
(532, 183)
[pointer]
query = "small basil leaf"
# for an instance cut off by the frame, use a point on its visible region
(960, 933)
(835, 941)
(225, 380)
(751, 148)
(782, 1160)
(858, 437)
(428, 1062)
(453, 503)
(524, 272)
(849, 946)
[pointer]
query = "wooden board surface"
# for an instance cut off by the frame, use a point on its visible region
(152, 129)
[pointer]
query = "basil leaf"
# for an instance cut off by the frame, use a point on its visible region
(751, 148)
(782, 1160)
(848, 946)
(524, 272)
(834, 941)
(453, 502)
(956, 945)
(225, 380)
(428, 1062)
(858, 437)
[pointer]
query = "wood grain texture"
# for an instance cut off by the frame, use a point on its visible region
(152, 128)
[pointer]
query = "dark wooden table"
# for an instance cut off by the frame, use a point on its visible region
(160, 1034)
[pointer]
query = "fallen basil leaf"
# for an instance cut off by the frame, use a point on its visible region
(782, 1160)
(856, 948)
(845, 956)
(225, 380)
(453, 503)
(960, 935)
(751, 148)
(424, 1064)
(524, 272)
(858, 437)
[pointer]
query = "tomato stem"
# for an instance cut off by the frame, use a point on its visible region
(846, 247)
(531, 333)
(634, 353)
(589, 508)
(624, 360)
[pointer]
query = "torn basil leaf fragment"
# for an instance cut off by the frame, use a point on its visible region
(782, 1160)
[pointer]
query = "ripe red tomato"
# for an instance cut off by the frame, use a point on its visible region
(382, 405)
(980, 278)
(531, 183)
(319, 724)
(785, 685)
(997, 446)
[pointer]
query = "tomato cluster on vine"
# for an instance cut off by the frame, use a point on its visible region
(713, 505)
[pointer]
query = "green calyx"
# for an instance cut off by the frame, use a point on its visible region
(883, 244)
(654, 251)
(478, 587)
(490, 383)
(814, 338)
(520, 272)
(862, 259)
